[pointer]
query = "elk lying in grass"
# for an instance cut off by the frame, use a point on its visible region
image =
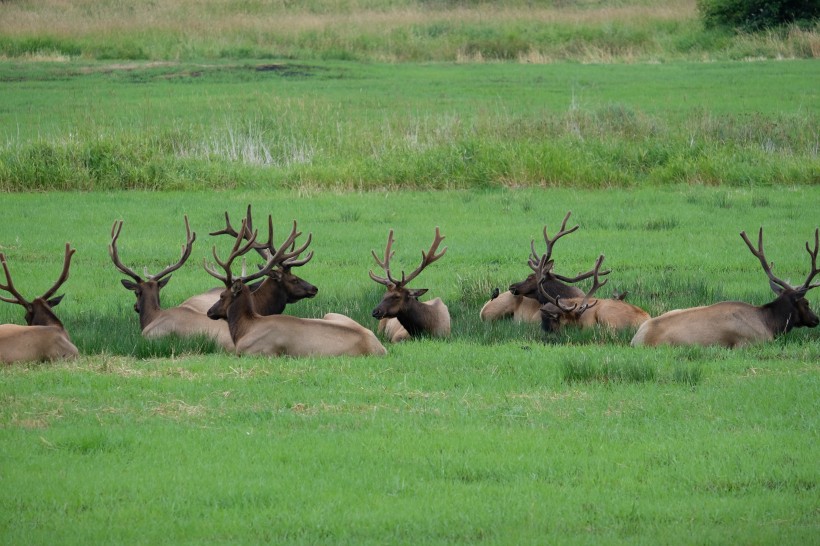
(584, 311)
(734, 323)
(401, 315)
(279, 287)
(155, 321)
(44, 337)
(523, 301)
(252, 333)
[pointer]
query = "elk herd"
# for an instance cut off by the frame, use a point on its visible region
(244, 315)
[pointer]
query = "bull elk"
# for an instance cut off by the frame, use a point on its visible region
(522, 301)
(44, 337)
(734, 323)
(278, 288)
(252, 333)
(584, 311)
(156, 322)
(401, 315)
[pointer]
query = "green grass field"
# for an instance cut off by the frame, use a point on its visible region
(664, 139)
(499, 435)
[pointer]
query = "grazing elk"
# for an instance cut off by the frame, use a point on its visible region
(523, 299)
(155, 321)
(44, 337)
(584, 311)
(401, 315)
(279, 287)
(252, 333)
(734, 323)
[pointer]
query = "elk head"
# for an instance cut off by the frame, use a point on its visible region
(147, 289)
(398, 297)
(293, 287)
(236, 287)
(554, 313)
(791, 303)
(39, 310)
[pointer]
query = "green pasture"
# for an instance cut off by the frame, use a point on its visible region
(268, 124)
(499, 435)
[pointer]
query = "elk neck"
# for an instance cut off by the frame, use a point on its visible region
(42, 315)
(416, 317)
(241, 313)
(269, 297)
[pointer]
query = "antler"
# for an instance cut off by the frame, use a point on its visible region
(115, 257)
(260, 248)
(545, 269)
(280, 256)
(186, 253)
(19, 299)
(596, 284)
(814, 270)
(759, 254)
(384, 264)
(427, 258)
(535, 259)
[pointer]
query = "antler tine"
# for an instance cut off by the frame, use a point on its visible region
(10, 286)
(260, 248)
(238, 250)
(426, 258)
(186, 253)
(761, 256)
(596, 284)
(114, 253)
(543, 270)
(280, 254)
(229, 229)
(291, 261)
(582, 276)
(69, 252)
(814, 271)
(563, 231)
(534, 258)
(384, 264)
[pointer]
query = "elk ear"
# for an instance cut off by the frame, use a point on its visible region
(418, 292)
(162, 282)
(236, 288)
(55, 301)
(776, 288)
(130, 285)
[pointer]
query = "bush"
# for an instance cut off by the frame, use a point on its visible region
(754, 15)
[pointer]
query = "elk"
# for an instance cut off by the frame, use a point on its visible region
(252, 333)
(279, 287)
(733, 323)
(156, 322)
(401, 315)
(522, 300)
(584, 311)
(44, 337)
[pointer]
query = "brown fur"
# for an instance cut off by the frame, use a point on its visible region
(252, 333)
(612, 313)
(507, 305)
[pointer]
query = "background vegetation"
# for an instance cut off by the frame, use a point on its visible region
(381, 31)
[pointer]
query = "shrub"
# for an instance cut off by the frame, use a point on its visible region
(754, 15)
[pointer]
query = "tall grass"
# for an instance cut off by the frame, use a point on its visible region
(412, 30)
(341, 125)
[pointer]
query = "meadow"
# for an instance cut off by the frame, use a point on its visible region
(664, 139)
